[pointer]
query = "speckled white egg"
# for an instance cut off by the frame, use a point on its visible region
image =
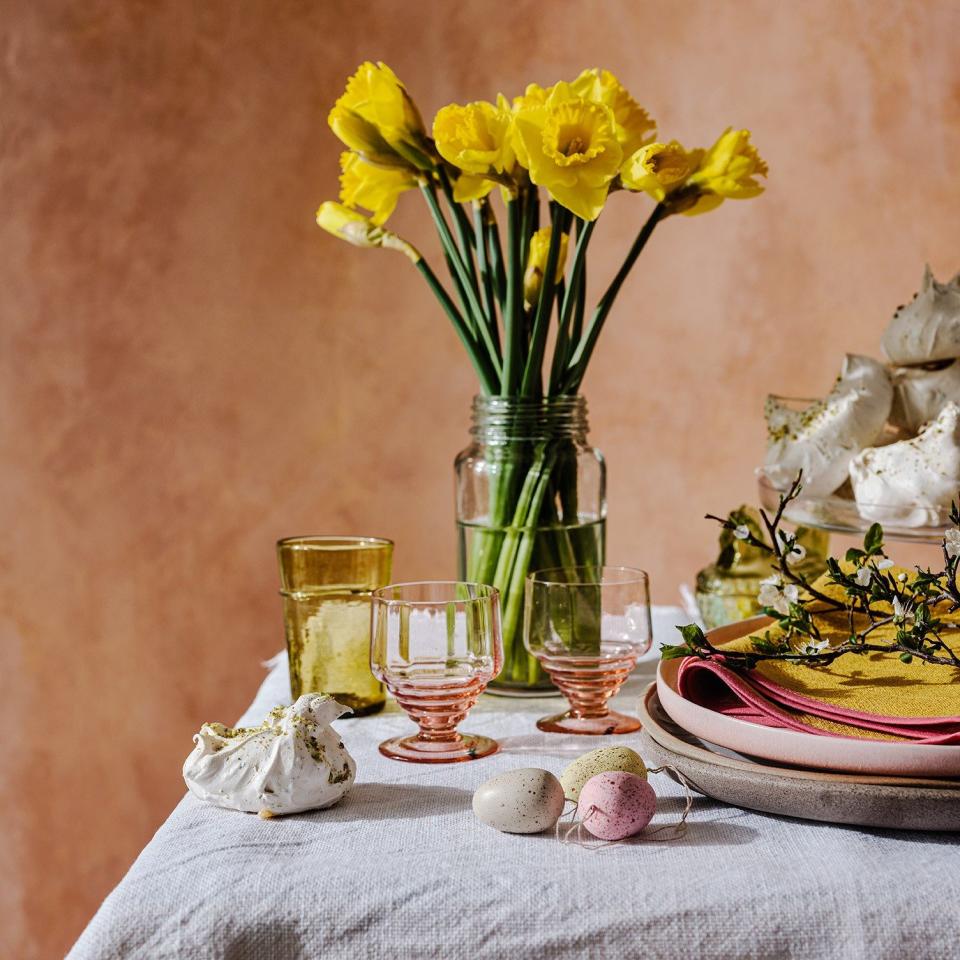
(603, 760)
(527, 800)
(616, 805)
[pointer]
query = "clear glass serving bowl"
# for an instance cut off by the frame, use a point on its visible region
(840, 514)
(839, 511)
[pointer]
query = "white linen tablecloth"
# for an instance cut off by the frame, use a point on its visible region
(401, 868)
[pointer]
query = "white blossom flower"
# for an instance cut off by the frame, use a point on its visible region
(775, 595)
(793, 552)
(902, 577)
(885, 564)
(863, 576)
(901, 611)
(742, 532)
(781, 605)
(797, 554)
(813, 647)
(952, 543)
(769, 591)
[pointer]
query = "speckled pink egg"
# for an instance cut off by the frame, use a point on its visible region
(616, 805)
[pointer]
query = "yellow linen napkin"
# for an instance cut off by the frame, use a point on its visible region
(872, 683)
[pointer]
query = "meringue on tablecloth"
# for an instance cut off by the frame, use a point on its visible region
(871, 696)
(824, 437)
(911, 482)
(294, 761)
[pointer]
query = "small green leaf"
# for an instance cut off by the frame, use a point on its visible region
(693, 635)
(853, 555)
(906, 657)
(873, 541)
(670, 652)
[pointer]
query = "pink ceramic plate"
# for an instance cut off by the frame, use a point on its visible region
(792, 746)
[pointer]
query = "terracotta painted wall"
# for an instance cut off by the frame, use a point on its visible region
(191, 369)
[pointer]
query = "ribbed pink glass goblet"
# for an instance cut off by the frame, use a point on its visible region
(587, 626)
(436, 645)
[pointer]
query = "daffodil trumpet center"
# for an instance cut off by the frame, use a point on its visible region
(576, 144)
(570, 135)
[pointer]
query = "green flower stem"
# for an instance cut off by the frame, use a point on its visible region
(460, 218)
(519, 542)
(535, 211)
(465, 236)
(466, 276)
(529, 204)
(541, 323)
(461, 293)
(584, 233)
(569, 302)
(566, 557)
(486, 278)
(519, 520)
(495, 254)
(584, 350)
(487, 318)
(579, 309)
(560, 349)
(487, 375)
(452, 257)
(487, 541)
(513, 318)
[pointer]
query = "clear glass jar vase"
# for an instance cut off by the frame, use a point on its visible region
(530, 495)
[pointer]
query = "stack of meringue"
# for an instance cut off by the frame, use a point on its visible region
(892, 431)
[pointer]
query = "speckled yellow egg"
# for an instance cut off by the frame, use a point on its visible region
(603, 760)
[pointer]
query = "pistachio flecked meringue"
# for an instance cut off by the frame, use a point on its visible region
(920, 393)
(927, 328)
(911, 482)
(294, 761)
(824, 437)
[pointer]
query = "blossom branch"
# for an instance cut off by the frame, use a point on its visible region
(873, 594)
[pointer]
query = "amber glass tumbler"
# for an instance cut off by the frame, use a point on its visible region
(326, 585)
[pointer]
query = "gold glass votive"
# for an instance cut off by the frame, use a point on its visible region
(326, 584)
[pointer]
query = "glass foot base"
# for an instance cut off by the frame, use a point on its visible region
(611, 722)
(523, 693)
(467, 746)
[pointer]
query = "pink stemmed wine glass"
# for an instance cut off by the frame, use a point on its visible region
(436, 646)
(587, 626)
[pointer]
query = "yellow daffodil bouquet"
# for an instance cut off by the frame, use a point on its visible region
(514, 291)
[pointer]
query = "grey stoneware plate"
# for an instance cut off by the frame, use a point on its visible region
(867, 800)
